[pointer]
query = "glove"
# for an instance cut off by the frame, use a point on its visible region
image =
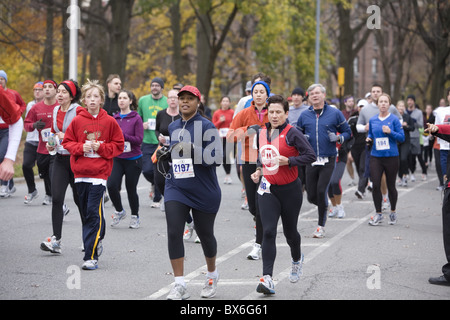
(39, 125)
(163, 154)
(333, 136)
(253, 129)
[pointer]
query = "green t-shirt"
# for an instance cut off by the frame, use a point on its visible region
(148, 109)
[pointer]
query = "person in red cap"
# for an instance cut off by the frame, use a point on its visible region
(40, 118)
(191, 184)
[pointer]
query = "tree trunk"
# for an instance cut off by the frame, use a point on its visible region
(119, 36)
(47, 63)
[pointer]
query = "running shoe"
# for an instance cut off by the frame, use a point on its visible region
(359, 195)
(134, 222)
(47, 201)
(376, 219)
(30, 197)
(333, 212)
(52, 245)
(340, 212)
(178, 292)
(189, 231)
(90, 265)
(392, 218)
(413, 178)
(155, 205)
(244, 206)
(266, 285)
(385, 205)
(66, 209)
(319, 232)
(117, 217)
(210, 288)
(255, 254)
(4, 192)
(296, 270)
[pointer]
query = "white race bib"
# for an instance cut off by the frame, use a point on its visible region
(382, 143)
(151, 124)
(127, 147)
(264, 186)
(45, 133)
(92, 153)
(183, 168)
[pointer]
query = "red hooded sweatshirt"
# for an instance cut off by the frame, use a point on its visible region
(102, 128)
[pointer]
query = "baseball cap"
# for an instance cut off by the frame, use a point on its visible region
(191, 89)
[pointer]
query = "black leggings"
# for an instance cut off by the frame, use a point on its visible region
(284, 201)
(132, 170)
(62, 176)
(250, 190)
(176, 214)
(317, 180)
(389, 166)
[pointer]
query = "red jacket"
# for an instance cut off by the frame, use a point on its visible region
(102, 128)
(9, 110)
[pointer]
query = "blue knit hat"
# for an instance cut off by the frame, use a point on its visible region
(3, 75)
(264, 84)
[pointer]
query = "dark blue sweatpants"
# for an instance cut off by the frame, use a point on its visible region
(91, 204)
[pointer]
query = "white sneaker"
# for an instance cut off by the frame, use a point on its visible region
(90, 265)
(266, 285)
(333, 212)
(319, 232)
(4, 192)
(117, 217)
(189, 231)
(30, 197)
(255, 254)
(296, 270)
(155, 205)
(178, 292)
(134, 222)
(52, 245)
(47, 201)
(210, 288)
(340, 212)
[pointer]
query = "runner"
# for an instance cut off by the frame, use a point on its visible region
(321, 123)
(443, 132)
(148, 108)
(68, 95)
(282, 149)
(243, 129)
(222, 119)
(30, 149)
(163, 119)
(192, 185)
(129, 163)
(93, 140)
(385, 131)
(40, 118)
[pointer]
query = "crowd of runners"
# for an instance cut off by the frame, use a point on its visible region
(91, 137)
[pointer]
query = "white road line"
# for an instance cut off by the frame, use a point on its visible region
(285, 273)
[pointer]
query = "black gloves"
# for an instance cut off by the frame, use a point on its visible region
(39, 125)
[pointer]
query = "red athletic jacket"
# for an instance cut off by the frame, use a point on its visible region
(85, 127)
(9, 110)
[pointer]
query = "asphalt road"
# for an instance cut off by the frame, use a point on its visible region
(354, 260)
